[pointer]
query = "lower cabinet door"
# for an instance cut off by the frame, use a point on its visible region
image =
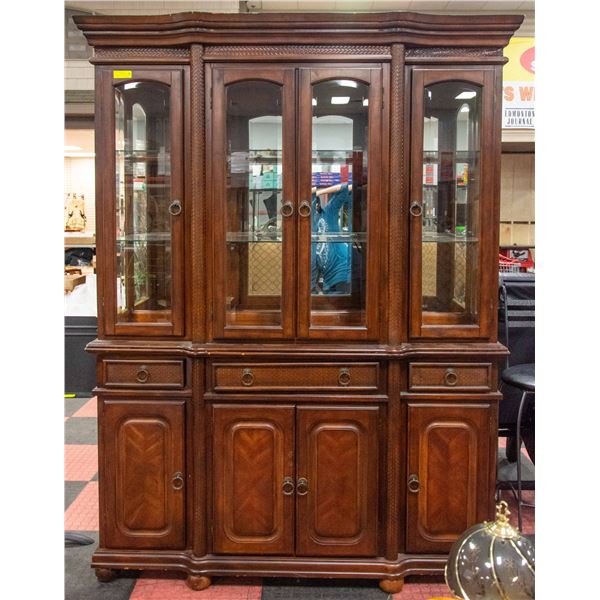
(448, 476)
(143, 473)
(253, 458)
(337, 481)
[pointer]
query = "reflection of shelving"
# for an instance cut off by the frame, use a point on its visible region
(445, 238)
(254, 236)
(145, 237)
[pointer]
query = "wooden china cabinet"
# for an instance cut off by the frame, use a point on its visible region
(297, 243)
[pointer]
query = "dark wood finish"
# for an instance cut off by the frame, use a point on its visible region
(290, 377)
(448, 466)
(449, 377)
(159, 374)
(357, 405)
(253, 455)
(338, 458)
(143, 469)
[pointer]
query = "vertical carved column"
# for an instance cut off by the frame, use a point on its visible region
(198, 139)
(198, 299)
(397, 291)
(398, 185)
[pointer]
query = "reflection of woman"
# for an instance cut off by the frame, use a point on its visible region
(330, 260)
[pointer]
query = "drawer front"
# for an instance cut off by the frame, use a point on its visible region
(159, 374)
(287, 377)
(450, 377)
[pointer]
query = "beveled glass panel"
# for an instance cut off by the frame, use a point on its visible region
(450, 201)
(254, 199)
(143, 197)
(340, 110)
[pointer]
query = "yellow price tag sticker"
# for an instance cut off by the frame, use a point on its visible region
(122, 74)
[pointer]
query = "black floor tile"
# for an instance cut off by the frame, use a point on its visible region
(72, 490)
(82, 430)
(81, 582)
(72, 405)
(321, 589)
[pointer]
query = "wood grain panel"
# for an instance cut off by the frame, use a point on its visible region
(161, 374)
(142, 455)
(252, 454)
(338, 456)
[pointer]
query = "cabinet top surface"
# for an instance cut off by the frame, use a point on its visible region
(390, 27)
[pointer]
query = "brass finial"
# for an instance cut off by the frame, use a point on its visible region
(501, 527)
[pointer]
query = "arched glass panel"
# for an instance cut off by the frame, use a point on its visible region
(340, 110)
(143, 196)
(254, 199)
(451, 191)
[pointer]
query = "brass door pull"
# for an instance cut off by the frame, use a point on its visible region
(414, 485)
(177, 481)
(175, 208)
(247, 377)
(142, 375)
(304, 209)
(302, 486)
(344, 376)
(416, 210)
(450, 377)
(288, 486)
(287, 209)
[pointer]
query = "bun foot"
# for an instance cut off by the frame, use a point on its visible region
(105, 575)
(197, 583)
(391, 586)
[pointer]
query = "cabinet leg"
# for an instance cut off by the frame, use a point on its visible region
(198, 583)
(391, 586)
(105, 575)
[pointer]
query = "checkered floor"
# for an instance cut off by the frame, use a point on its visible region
(81, 516)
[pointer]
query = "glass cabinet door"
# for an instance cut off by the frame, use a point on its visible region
(339, 178)
(451, 201)
(253, 202)
(148, 293)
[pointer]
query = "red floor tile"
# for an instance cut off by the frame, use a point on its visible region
(413, 590)
(150, 587)
(81, 462)
(82, 514)
(89, 409)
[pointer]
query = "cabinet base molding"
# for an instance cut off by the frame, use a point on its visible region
(200, 571)
(391, 586)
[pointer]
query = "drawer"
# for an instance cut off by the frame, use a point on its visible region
(290, 377)
(159, 374)
(449, 377)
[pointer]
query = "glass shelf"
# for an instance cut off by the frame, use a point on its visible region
(254, 236)
(145, 238)
(445, 238)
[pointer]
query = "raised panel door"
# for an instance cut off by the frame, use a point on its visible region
(253, 479)
(143, 481)
(337, 481)
(448, 486)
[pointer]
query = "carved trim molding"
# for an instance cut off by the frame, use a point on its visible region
(475, 54)
(141, 55)
(254, 52)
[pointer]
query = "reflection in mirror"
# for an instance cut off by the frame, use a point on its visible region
(450, 221)
(143, 194)
(339, 197)
(254, 199)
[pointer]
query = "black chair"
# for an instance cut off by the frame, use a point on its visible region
(517, 409)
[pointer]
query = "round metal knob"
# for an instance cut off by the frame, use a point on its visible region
(288, 486)
(142, 375)
(416, 210)
(177, 481)
(304, 209)
(175, 208)
(450, 377)
(414, 484)
(247, 377)
(344, 376)
(302, 486)
(287, 209)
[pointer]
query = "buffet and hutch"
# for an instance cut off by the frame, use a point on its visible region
(297, 259)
